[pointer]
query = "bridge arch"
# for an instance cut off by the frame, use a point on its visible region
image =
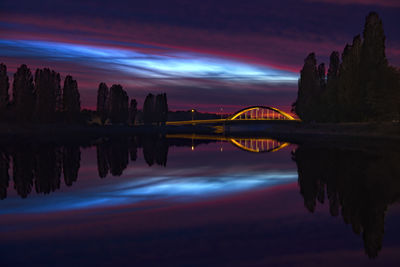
(255, 145)
(245, 110)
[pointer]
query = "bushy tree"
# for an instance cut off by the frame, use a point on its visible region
(71, 99)
(155, 109)
(4, 174)
(361, 88)
(148, 109)
(24, 96)
(48, 94)
(132, 111)
(4, 86)
(102, 102)
(71, 164)
(118, 104)
(309, 90)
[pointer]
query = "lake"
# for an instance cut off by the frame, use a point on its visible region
(198, 201)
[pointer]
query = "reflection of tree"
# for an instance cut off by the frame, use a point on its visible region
(118, 156)
(48, 169)
(155, 149)
(71, 164)
(102, 163)
(112, 156)
(361, 185)
(4, 175)
(23, 166)
(41, 165)
(133, 148)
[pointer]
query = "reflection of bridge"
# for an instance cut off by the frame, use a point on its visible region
(254, 113)
(255, 145)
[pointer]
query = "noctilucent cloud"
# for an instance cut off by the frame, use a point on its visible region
(166, 65)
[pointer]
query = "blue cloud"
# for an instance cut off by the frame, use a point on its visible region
(168, 64)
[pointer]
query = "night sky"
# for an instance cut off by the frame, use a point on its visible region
(204, 54)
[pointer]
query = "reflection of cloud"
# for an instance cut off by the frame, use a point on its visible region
(166, 65)
(150, 188)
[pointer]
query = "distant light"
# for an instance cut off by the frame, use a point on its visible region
(192, 148)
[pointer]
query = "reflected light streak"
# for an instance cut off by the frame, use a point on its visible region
(168, 189)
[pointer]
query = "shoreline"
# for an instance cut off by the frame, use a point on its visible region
(290, 131)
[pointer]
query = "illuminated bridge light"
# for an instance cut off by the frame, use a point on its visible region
(255, 114)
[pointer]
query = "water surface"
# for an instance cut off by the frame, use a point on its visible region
(156, 201)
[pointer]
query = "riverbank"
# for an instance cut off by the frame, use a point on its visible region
(290, 131)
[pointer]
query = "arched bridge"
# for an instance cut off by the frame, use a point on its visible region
(254, 145)
(249, 113)
(261, 113)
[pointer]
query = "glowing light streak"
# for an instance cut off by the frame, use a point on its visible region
(166, 65)
(169, 189)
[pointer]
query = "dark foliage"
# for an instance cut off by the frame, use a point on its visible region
(155, 109)
(48, 95)
(363, 87)
(358, 185)
(102, 102)
(23, 170)
(4, 174)
(155, 149)
(71, 100)
(102, 159)
(71, 164)
(118, 104)
(48, 169)
(4, 86)
(24, 96)
(148, 109)
(132, 112)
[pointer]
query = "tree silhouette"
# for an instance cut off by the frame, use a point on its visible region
(48, 169)
(330, 96)
(4, 175)
(118, 156)
(161, 109)
(71, 163)
(23, 170)
(155, 109)
(102, 102)
(118, 104)
(381, 98)
(309, 90)
(132, 111)
(359, 185)
(102, 159)
(24, 96)
(361, 88)
(322, 75)
(48, 94)
(4, 86)
(71, 100)
(148, 109)
(155, 149)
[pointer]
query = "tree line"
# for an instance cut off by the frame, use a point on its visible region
(42, 168)
(357, 185)
(40, 98)
(113, 106)
(360, 87)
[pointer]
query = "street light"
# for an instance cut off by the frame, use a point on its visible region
(193, 113)
(222, 109)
